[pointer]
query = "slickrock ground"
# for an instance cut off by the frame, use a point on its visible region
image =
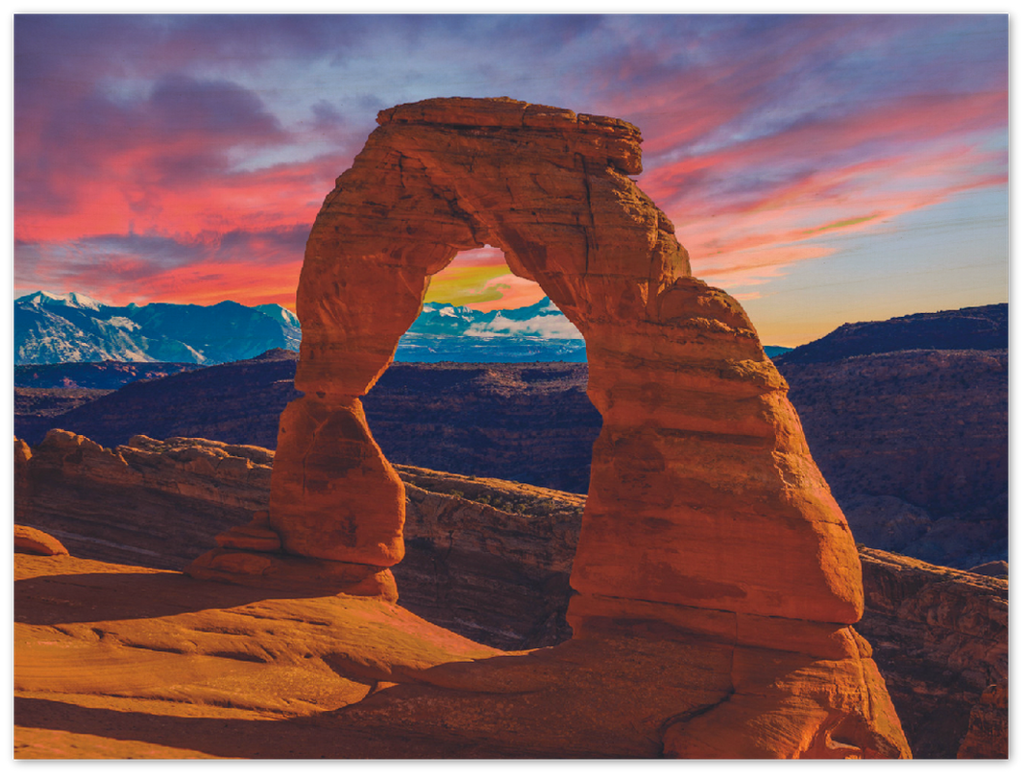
(120, 661)
(490, 560)
(159, 503)
(124, 661)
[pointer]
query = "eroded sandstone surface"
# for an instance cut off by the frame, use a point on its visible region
(143, 503)
(489, 559)
(940, 637)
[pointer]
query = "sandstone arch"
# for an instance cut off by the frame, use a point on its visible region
(703, 494)
(707, 523)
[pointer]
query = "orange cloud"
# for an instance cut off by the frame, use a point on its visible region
(514, 292)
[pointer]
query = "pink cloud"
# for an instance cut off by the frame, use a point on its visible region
(250, 267)
(160, 164)
(765, 137)
(756, 205)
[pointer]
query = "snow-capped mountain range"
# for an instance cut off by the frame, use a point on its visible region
(539, 332)
(60, 328)
(71, 327)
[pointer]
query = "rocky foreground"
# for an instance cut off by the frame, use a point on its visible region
(486, 560)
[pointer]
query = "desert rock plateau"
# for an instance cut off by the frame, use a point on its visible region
(703, 601)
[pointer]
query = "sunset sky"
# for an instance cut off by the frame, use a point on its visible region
(822, 169)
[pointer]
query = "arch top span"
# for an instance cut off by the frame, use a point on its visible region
(601, 139)
(550, 187)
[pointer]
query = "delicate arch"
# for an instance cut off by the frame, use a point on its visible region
(703, 498)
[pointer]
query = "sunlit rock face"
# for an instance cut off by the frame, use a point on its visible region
(548, 187)
(706, 516)
(703, 493)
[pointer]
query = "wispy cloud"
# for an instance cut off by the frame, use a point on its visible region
(826, 179)
(544, 326)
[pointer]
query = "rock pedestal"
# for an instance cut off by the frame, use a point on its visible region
(706, 514)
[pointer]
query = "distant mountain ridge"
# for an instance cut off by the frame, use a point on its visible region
(53, 328)
(445, 332)
(969, 328)
(907, 420)
(94, 375)
(72, 328)
(540, 320)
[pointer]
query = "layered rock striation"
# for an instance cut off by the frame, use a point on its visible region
(144, 503)
(940, 637)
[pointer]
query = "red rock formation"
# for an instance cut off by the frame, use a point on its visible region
(988, 735)
(705, 513)
(32, 541)
(142, 503)
(701, 455)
